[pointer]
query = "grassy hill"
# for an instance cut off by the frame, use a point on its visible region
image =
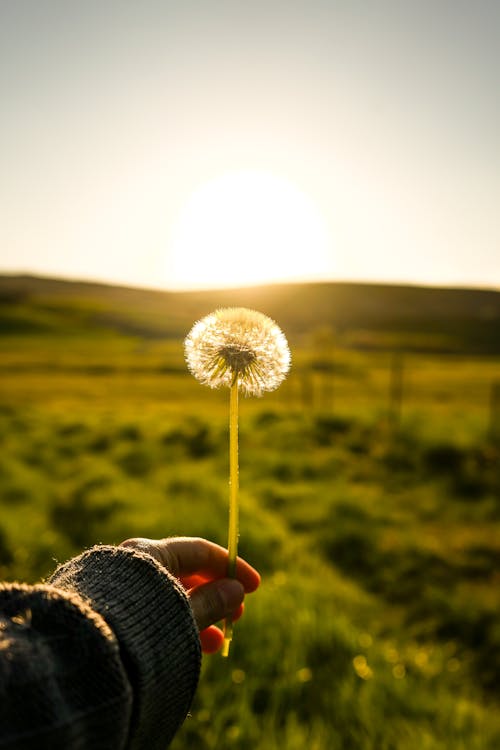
(363, 316)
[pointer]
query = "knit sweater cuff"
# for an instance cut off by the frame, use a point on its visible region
(150, 615)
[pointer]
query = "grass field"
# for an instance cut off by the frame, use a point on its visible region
(370, 491)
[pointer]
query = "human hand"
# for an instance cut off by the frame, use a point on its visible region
(201, 567)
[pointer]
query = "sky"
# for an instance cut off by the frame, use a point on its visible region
(212, 143)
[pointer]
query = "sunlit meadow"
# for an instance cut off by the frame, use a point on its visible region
(370, 492)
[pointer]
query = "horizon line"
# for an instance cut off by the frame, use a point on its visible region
(214, 289)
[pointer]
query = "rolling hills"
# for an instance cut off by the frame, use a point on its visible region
(364, 316)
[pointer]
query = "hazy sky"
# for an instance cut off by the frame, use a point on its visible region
(182, 144)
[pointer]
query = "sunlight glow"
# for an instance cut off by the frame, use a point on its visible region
(244, 228)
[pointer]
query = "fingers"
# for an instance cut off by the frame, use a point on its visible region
(186, 557)
(211, 639)
(215, 600)
(207, 560)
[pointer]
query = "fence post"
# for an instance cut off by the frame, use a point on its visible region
(494, 415)
(396, 378)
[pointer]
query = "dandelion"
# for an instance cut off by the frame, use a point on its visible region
(238, 344)
(247, 352)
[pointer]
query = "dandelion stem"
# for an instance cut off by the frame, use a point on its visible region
(232, 544)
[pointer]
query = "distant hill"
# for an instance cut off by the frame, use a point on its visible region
(379, 316)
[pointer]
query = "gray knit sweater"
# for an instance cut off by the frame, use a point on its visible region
(106, 655)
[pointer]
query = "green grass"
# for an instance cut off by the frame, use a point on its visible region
(376, 626)
(376, 622)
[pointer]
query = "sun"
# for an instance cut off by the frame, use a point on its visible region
(244, 228)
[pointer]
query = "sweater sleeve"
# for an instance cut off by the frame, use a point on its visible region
(105, 656)
(62, 682)
(148, 611)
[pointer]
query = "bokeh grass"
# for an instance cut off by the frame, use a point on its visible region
(376, 627)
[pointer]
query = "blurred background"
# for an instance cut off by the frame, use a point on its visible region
(336, 166)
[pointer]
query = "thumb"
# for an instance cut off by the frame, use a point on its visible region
(213, 601)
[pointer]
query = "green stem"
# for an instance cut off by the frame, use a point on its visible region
(232, 544)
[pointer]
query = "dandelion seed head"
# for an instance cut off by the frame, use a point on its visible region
(236, 344)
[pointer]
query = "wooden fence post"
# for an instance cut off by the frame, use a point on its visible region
(396, 378)
(494, 415)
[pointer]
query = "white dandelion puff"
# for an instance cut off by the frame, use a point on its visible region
(238, 345)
